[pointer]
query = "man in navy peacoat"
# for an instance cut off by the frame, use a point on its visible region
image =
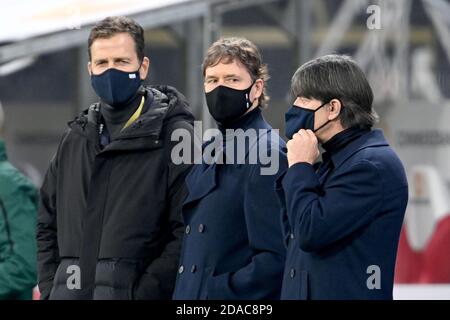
(341, 218)
(233, 246)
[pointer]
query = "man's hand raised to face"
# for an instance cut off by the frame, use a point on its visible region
(303, 147)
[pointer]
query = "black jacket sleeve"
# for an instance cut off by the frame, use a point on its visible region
(46, 233)
(158, 281)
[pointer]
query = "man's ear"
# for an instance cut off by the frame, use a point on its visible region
(258, 88)
(89, 66)
(335, 109)
(145, 67)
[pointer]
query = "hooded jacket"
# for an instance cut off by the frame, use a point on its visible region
(110, 224)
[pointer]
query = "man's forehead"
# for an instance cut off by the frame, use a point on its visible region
(118, 45)
(226, 68)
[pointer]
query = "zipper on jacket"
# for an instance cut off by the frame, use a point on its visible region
(8, 231)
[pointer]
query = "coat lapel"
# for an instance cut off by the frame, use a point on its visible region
(201, 181)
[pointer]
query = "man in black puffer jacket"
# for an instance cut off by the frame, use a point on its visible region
(110, 224)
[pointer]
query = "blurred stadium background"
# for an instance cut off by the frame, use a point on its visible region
(403, 45)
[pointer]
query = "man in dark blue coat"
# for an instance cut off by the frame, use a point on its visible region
(341, 218)
(233, 246)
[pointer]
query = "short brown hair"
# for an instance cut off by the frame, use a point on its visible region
(111, 26)
(226, 50)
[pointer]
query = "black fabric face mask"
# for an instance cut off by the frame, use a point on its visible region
(116, 87)
(226, 104)
(301, 118)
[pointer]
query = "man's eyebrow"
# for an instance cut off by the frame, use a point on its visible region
(226, 76)
(231, 76)
(100, 60)
(121, 58)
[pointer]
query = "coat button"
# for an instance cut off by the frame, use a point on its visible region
(194, 268)
(292, 273)
(292, 236)
(188, 229)
(201, 228)
(180, 269)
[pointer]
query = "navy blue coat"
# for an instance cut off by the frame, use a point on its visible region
(342, 228)
(233, 246)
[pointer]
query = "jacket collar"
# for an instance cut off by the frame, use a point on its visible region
(248, 120)
(254, 121)
(374, 138)
(138, 135)
(202, 179)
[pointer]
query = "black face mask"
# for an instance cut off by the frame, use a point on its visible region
(116, 87)
(226, 104)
